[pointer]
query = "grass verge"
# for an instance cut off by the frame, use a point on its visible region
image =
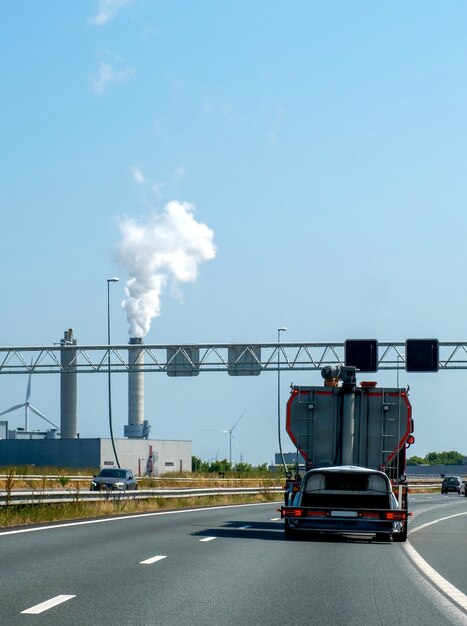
(18, 515)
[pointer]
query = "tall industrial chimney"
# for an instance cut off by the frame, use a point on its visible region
(68, 386)
(138, 427)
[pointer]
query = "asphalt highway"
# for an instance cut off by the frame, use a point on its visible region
(233, 566)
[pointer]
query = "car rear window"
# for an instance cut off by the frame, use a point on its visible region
(350, 482)
(346, 482)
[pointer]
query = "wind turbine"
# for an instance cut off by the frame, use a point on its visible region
(28, 407)
(230, 431)
(215, 458)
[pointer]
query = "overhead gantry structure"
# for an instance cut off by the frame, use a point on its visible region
(237, 359)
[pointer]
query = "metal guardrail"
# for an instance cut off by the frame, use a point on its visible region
(164, 477)
(46, 477)
(55, 496)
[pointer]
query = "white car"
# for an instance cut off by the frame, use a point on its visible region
(347, 500)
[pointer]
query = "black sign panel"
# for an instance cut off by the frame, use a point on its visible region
(422, 355)
(362, 354)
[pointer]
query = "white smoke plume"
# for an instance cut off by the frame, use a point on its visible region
(167, 248)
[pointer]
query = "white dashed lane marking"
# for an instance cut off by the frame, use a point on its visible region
(152, 560)
(208, 538)
(48, 604)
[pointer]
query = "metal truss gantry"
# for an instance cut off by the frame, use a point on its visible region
(246, 359)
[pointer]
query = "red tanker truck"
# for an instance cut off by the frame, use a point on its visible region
(353, 439)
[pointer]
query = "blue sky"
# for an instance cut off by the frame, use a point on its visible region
(323, 143)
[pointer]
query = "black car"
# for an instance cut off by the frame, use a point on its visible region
(453, 483)
(115, 479)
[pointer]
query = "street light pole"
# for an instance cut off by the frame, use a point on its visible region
(279, 331)
(114, 279)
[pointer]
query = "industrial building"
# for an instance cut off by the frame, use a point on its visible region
(145, 457)
(62, 447)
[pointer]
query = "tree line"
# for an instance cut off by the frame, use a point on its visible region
(447, 457)
(450, 457)
(221, 467)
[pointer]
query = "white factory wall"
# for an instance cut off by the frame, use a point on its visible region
(168, 456)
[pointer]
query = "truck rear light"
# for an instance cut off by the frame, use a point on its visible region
(370, 515)
(396, 516)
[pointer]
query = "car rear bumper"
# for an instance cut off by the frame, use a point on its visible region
(341, 526)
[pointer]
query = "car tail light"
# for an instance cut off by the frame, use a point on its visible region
(396, 516)
(292, 512)
(317, 513)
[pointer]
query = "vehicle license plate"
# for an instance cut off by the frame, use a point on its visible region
(344, 514)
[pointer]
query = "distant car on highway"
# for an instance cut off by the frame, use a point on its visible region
(453, 483)
(114, 478)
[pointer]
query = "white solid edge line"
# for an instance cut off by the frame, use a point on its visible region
(126, 517)
(455, 594)
(436, 521)
(48, 604)
(152, 560)
(444, 585)
(208, 538)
